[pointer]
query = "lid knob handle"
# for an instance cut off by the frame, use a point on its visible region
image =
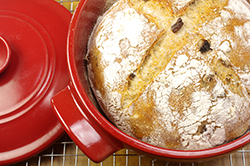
(5, 53)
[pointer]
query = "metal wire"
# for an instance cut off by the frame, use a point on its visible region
(66, 153)
(69, 4)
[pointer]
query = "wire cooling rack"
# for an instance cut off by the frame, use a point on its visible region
(66, 153)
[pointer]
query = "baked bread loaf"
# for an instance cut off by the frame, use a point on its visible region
(174, 73)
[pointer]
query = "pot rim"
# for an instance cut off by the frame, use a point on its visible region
(121, 136)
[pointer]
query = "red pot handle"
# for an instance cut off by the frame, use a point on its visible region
(95, 143)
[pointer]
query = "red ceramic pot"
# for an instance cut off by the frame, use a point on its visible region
(85, 124)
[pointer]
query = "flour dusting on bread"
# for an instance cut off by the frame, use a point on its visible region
(175, 74)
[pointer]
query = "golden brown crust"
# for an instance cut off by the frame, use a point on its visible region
(182, 79)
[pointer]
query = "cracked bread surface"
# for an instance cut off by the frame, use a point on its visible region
(186, 88)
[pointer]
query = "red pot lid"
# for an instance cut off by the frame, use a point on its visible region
(33, 68)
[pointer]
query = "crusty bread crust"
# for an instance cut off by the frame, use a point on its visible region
(175, 74)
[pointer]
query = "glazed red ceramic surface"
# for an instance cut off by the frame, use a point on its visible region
(83, 121)
(5, 53)
(33, 35)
